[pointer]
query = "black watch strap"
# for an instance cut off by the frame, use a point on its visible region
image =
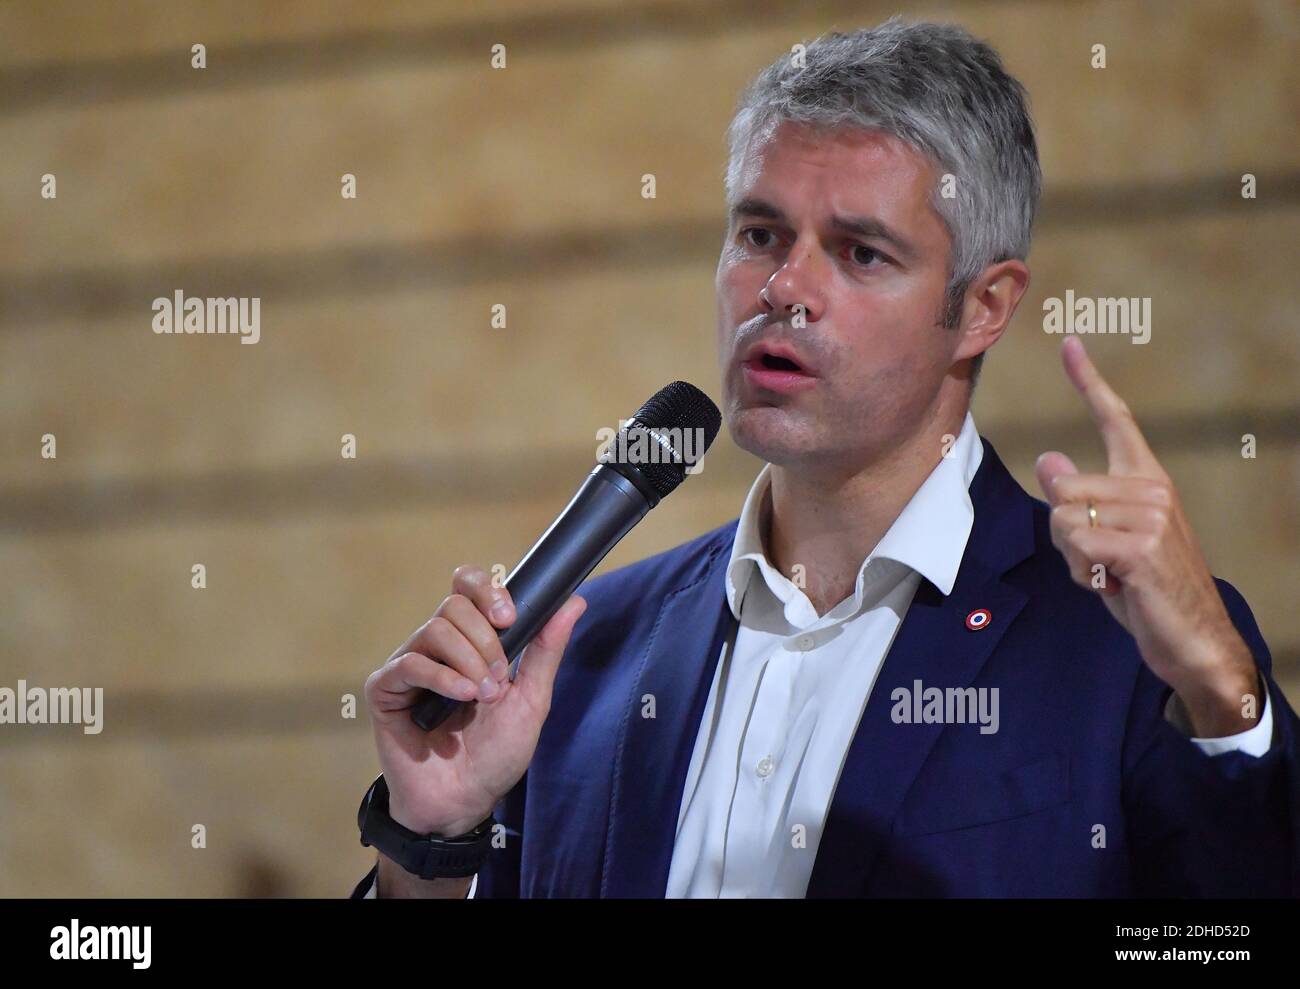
(426, 856)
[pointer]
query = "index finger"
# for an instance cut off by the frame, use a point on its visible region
(1127, 451)
(475, 583)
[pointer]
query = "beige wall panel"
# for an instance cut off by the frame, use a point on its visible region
(40, 30)
(417, 373)
(1224, 336)
(280, 815)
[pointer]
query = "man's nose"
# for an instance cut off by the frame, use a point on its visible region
(796, 283)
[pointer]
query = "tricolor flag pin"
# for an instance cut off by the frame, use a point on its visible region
(978, 619)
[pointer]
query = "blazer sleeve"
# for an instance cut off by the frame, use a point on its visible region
(1202, 825)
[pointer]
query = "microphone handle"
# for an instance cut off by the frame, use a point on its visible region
(605, 508)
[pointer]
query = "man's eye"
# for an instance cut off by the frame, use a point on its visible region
(749, 232)
(867, 253)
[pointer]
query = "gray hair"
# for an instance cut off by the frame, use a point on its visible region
(941, 91)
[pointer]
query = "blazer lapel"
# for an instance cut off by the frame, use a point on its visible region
(654, 754)
(935, 646)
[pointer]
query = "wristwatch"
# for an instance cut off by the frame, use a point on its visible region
(427, 856)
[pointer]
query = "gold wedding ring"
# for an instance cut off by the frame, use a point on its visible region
(1092, 516)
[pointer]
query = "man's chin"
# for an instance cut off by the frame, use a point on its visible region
(773, 434)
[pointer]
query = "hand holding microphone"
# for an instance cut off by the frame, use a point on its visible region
(447, 781)
(458, 708)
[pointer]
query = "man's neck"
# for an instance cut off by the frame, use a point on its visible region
(829, 521)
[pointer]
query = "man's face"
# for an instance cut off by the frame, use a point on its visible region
(839, 223)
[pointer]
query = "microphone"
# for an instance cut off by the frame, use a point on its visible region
(642, 465)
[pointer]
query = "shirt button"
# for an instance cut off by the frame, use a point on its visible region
(806, 642)
(765, 767)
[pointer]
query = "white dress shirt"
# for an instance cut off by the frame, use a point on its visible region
(791, 686)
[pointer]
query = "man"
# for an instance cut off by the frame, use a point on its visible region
(896, 674)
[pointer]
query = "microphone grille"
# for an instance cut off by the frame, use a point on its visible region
(668, 434)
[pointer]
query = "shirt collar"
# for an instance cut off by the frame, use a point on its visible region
(928, 537)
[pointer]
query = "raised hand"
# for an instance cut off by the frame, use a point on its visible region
(1154, 580)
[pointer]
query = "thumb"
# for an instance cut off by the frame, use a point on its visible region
(1048, 467)
(541, 660)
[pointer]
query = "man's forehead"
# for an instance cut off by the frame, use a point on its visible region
(856, 163)
(787, 141)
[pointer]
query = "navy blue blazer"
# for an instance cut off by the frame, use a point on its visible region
(1085, 790)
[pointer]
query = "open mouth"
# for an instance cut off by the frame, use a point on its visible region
(771, 362)
(776, 372)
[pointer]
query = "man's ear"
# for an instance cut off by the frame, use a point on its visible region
(990, 303)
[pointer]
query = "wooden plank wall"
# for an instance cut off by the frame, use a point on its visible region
(478, 187)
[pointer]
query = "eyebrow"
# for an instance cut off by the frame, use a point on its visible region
(864, 226)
